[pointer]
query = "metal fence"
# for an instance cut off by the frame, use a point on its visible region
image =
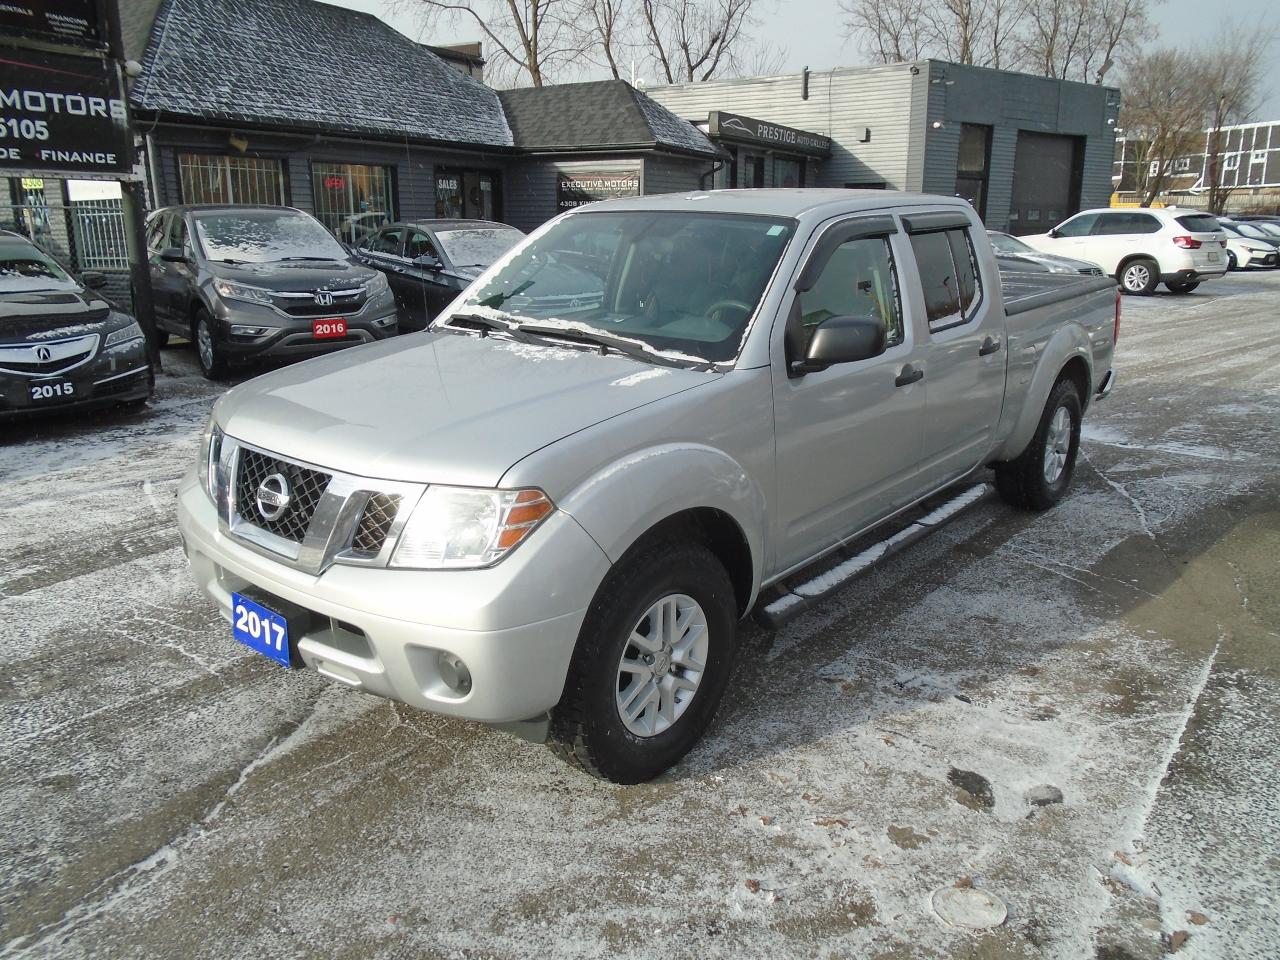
(98, 234)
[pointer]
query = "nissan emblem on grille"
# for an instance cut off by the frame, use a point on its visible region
(324, 298)
(43, 354)
(273, 497)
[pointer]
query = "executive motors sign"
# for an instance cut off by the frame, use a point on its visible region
(62, 114)
(587, 186)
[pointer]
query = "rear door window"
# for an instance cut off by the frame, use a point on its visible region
(948, 275)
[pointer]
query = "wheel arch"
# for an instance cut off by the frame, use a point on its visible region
(1067, 354)
(1130, 258)
(721, 534)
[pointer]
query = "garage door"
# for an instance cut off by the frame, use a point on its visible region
(1046, 181)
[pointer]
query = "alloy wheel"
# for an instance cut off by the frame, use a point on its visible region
(1137, 277)
(204, 343)
(663, 663)
(1057, 445)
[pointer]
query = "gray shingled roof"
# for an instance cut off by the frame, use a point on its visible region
(299, 63)
(597, 115)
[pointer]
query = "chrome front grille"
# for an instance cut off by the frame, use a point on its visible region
(330, 517)
(48, 358)
(375, 523)
(305, 488)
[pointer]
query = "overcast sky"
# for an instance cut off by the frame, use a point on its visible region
(809, 31)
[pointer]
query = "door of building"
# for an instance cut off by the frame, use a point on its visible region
(467, 194)
(1047, 170)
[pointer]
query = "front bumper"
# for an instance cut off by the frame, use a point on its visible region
(116, 374)
(514, 625)
(291, 338)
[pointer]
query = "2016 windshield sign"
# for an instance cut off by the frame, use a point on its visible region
(62, 113)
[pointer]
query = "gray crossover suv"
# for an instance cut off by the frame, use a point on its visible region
(256, 282)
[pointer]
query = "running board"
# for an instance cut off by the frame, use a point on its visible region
(812, 592)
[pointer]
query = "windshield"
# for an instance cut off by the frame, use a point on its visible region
(24, 268)
(1267, 228)
(477, 246)
(1007, 244)
(265, 236)
(676, 281)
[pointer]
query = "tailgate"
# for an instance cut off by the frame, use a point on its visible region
(1205, 231)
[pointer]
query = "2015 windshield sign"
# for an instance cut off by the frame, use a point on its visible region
(62, 113)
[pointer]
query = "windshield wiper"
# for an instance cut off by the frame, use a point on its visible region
(283, 259)
(485, 323)
(230, 260)
(606, 341)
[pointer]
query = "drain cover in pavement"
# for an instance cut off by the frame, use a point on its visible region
(969, 908)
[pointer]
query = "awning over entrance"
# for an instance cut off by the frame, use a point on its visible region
(735, 128)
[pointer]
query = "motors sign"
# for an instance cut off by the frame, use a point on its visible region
(62, 114)
(732, 126)
(575, 189)
(73, 23)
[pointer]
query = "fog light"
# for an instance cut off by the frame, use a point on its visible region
(385, 321)
(238, 330)
(454, 673)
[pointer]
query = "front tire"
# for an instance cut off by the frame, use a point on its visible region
(652, 662)
(208, 354)
(1139, 277)
(1039, 477)
(1181, 286)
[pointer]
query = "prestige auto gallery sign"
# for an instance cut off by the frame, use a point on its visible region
(575, 189)
(732, 126)
(61, 113)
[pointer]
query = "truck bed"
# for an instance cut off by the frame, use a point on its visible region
(1026, 291)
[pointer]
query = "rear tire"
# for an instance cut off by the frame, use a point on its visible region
(613, 670)
(1180, 286)
(1039, 477)
(212, 362)
(1139, 276)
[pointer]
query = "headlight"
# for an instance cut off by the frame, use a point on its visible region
(378, 285)
(242, 291)
(210, 451)
(131, 332)
(468, 527)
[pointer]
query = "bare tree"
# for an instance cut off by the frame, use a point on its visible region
(1165, 110)
(1234, 68)
(1081, 39)
(688, 40)
(981, 32)
(527, 40)
(606, 31)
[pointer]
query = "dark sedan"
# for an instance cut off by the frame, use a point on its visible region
(429, 262)
(61, 344)
(261, 283)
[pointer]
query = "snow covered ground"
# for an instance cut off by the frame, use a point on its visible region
(1075, 714)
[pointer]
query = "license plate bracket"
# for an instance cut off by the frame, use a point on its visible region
(329, 328)
(270, 625)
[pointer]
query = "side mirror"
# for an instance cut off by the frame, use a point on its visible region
(428, 262)
(841, 340)
(1054, 233)
(173, 255)
(93, 279)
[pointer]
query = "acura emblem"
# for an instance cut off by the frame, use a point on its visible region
(273, 497)
(44, 354)
(324, 298)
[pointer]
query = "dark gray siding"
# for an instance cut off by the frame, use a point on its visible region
(673, 175)
(530, 197)
(1009, 102)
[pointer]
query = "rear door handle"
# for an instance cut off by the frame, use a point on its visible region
(908, 374)
(989, 346)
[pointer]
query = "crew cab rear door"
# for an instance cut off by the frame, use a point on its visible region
(848, 438)
(965, 350)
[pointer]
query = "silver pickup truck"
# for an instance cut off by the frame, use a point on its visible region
(550, 511)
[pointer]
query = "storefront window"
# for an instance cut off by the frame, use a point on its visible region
(788, 172)
(225, 179)
(466, 195)
(352, 199)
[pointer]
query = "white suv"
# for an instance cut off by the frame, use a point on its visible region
(1142, 247)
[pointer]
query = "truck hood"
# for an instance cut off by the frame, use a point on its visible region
(440, 407)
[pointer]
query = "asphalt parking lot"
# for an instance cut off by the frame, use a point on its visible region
(1077, 713)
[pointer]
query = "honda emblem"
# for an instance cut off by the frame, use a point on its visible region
(324, 298)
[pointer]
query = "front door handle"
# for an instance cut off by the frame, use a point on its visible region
(989, 346)
(908, 374)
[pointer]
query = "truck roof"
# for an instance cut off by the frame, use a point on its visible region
(781, 201)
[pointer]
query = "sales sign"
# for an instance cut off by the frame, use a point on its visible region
(575, 189)
(73, 23)
(61, 113)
